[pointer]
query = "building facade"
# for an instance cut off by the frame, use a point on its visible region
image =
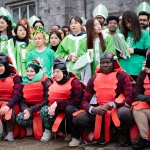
(60, 11)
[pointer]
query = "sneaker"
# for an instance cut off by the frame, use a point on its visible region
(47, 135)
(74, 142)
(68, 138)
(124, 141)
(143, 143)
(101, 142)
(9, 137)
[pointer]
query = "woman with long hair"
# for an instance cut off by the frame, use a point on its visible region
(5, 31)
(97, 42)
(18, 48)
(137, 39)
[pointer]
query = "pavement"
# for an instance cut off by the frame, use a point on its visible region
(29, 143)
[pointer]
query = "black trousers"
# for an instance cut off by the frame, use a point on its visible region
(86, 120)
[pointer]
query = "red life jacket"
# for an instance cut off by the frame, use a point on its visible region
(139, 104)
(105, 86)
(60, 91)
(6, 88)
(33, 92)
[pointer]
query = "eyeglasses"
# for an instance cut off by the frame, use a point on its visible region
(144, 20)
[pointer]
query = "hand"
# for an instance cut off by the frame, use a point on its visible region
(4, 110)
(106, 106)
(99, 110)
(52, 108)
(74, 58)
(131, 50)
(26, 114)
(121, 55)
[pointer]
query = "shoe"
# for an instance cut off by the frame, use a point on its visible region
(143, 143)
(68, 138)
(74, 142)
(124, 141)
(9, 137)
(101, 142)
(47, 135)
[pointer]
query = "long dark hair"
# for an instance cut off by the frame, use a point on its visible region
(131, 17)
(26, 39)
(9, 27)
(91, 35)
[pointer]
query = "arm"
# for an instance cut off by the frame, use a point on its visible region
(125, 87)
(17, 92)
(75, 98)
(138, 92)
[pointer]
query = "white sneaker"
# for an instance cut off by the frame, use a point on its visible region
(68, 138)
(47, 135)
(74, 142)
(9, 136)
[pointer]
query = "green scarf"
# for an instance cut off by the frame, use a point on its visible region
(36, 78)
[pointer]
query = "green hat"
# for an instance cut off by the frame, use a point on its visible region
(5, 12)
(143, 7)
(82, 62)
(84, 20)
(100, 10)
(32, 20)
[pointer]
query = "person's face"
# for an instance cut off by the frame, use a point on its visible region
(3, 25)
(39, 40)
(128, 24)
(21, 32)
(55, 28)
(100, 19)
(54, 40)
(30, 73)
(58, 74)
(66, 31)
(75, 26)
(106, 66)
(112, 25)
(143, 21)
(38, 25)
(97, 26)
(2, 69)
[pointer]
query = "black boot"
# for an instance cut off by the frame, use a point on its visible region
(143, 143)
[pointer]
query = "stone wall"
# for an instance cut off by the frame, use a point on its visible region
(60, 11)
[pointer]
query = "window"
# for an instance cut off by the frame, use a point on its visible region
(23, 11)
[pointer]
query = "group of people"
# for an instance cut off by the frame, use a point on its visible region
(84, 84)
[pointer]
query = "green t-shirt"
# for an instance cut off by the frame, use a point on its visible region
(45, 57)
(133, 65)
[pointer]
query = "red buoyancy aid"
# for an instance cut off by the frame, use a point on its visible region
(105, 86)
(6, 88)
(60, 91)
(139, 104)
(33, 92)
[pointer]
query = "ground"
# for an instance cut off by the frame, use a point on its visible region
(30, 143)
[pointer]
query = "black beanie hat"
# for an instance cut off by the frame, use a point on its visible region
(107, 55)
(60, 64)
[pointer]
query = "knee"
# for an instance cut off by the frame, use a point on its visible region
(20, 118)
(125, 114)
(44, 112)
(70, 109)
